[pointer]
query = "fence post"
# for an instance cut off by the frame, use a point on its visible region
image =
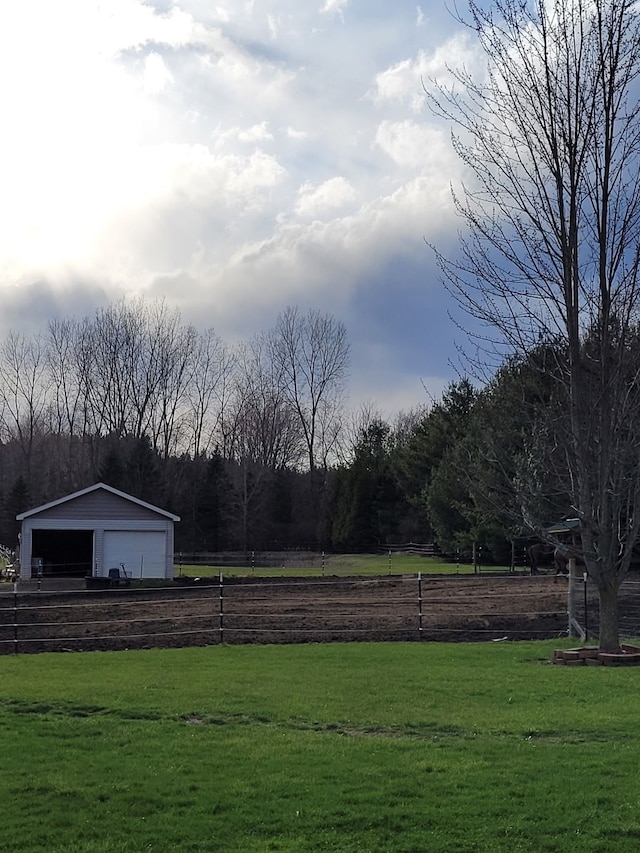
(586, 607)
(571, 599)
(221, 611)
(420, 605)
(15, 618)
(575, 629)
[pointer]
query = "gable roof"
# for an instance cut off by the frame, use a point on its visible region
(567, 525)
(94, 488)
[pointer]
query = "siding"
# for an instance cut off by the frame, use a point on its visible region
(97, 504)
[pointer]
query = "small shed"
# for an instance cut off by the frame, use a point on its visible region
(94, 530)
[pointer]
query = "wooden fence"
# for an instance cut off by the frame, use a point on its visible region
(275, 610)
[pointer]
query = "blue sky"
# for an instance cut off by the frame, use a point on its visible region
(235, 158)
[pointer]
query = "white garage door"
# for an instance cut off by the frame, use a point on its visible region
(143, 553)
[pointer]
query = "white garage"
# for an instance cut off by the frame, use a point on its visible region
(94, 530)
(143, 552)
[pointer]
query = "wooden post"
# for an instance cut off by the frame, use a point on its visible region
(571, 598)
(221, 612)
(15, 618)
(574, 628)
(585, 578)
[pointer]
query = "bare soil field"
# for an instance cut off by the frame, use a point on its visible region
(276, 610)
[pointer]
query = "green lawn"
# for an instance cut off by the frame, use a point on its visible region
(375, 748)
(342, 565)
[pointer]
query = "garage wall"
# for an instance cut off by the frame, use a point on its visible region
(125, 530)
(153, 552)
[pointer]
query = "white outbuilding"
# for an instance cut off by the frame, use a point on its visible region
(96, 529)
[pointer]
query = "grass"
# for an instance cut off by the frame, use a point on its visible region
(341, 565)
(345, 748)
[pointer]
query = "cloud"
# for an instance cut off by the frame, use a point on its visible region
(293, 133)
(405, 81)
(235, 157)
(413, 145)
(334, 6)
(330, 196)
(325, 262)
(256, 133)
(156, 77)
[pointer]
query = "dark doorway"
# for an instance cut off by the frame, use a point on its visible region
(64, 553)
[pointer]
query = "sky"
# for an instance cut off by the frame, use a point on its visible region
(235, 157)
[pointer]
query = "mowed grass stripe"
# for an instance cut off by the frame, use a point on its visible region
(353, 747)
(343, 565)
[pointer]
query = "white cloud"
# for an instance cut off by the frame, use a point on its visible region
(414, 145)
(334, 6)
(404, 82)
(293, 133)
(255, 133)
(330, 196)
(331, 257)
(156, 77)
(245, 175)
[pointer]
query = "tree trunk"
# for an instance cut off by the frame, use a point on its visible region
(609, 629)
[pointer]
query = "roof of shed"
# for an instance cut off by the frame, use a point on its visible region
(567, 525)
(94, 488)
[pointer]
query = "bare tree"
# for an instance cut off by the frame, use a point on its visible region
(66, 396)
(23, 392)
(67, 405)
(106, 346)
(208, 392)
(311, 353)
(168, 368)
(551, 135)
(134, 363)
(271, 434)
(261, 429)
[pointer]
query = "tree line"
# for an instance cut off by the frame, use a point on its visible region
(253, 445)
(549, 134)
(136, 397)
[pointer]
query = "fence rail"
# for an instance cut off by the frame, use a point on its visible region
(246, 610)
(585, 609)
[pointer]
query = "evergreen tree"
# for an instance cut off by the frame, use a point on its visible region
(215, 499)
(112, 470)
(143, 472)
(366, 499)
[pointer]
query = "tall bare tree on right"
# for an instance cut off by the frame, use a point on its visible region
(551, 138)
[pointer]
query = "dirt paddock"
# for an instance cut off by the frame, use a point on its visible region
(278, 610)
